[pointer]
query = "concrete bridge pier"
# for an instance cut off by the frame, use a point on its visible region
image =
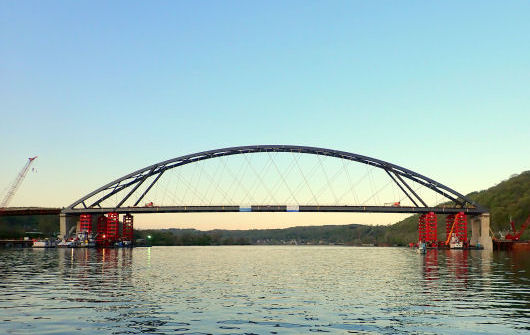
(67, 223)
(480, 231)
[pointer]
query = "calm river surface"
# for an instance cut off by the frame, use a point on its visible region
(263, 290)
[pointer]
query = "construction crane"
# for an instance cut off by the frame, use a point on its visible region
(517, 234)
(16, 184)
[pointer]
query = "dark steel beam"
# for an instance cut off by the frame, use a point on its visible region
(149, 188)
(278, 208)
(133, 190)
(115, 190)
(401, 187)
(411, 190)
(441, 192)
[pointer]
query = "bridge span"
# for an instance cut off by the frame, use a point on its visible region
(23, 211)
(279, 208)
(346, 183)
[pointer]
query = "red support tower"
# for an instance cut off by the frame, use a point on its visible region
(85, 223)
(101, 230)
(127, 228)
(457, 228)
(431, 228)
(112, 228)
(422, 237)
(427, 228)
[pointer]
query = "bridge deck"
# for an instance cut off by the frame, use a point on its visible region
(277, 208)
(18, 211)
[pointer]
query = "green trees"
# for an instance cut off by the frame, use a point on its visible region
(508, 199)
(18, 226)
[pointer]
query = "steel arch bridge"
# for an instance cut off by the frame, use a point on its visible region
(125, 187)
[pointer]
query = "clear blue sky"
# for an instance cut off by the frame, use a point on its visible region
(98, 89)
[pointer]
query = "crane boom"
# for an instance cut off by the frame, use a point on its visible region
(20, 177)
(517, 234)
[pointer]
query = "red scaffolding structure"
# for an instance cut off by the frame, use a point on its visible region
(127, 228)
(422, 237)
(112, 227)
(456, 225)
(427, 229)
(85, 223)
(101, 231)
(108, 232)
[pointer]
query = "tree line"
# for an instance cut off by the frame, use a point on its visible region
(509, 199)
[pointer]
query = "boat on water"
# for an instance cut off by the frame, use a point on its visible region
(85, 240)
(511, 240)
(81, 240)
(90, 243)
(46, 243)
(422, 248)
(67, 244)
(455, 243)
(123, 244)
(503, 244)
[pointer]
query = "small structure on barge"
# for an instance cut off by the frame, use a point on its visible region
(512, 240)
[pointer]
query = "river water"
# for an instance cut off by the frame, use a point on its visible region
(263, 290)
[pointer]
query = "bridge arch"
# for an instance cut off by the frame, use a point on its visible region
(398, 174)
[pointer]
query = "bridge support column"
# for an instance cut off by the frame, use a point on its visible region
(127, 228)
(456, 225)
(85, 224)
(101, 231)
(480, 231)
(422, 236)
(67, 223)
(112, 227)
(427, 229)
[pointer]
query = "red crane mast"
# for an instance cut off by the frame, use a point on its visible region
(517, 234)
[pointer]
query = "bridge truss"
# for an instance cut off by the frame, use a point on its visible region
(272, 187)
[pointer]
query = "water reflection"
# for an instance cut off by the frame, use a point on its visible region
(430, 265)
(103, 281)
(237, 290)
(457, 263)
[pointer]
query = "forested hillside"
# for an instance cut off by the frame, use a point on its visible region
(508, 199)
(336, 234)
(19, 226)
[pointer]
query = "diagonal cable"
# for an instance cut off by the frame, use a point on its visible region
(237, 180)
(259, 176)
(322, 189)
(218, 188)
(306, 183)
(375, 194)
(348, 176)
(330, 181)
(190, 187)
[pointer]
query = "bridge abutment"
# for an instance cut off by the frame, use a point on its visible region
(67, 223)
(480, 231)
